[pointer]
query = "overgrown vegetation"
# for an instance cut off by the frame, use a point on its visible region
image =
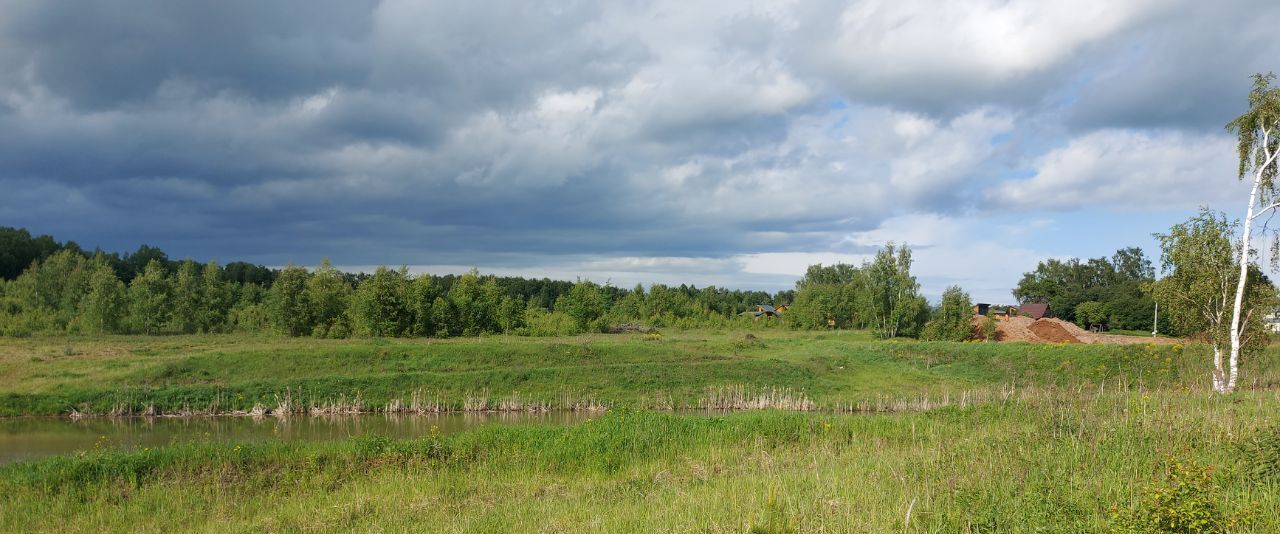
(1112, 290)
(1043, 461)
(881, 295)
(689, 369)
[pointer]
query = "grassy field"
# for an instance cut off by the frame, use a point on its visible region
(1017, 437)
(126, 375)
(1053, 461)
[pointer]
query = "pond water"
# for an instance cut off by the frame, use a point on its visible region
(29, 438)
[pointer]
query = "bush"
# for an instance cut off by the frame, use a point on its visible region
(542, 323)
(954, 319)
(989, 328)
(1186, 501)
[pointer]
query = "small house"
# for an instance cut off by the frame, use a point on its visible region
(1272, 321)
(766, 311)
(981, 308)
(1036, 310)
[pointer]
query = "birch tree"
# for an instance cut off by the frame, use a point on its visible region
(894, 305)
(1258, 147)
(1198, 258)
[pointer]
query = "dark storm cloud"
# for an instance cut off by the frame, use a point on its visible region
(103, 54)
(506, 133)
(1188, 69)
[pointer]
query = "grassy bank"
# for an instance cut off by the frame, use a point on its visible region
(1053, 460)
(201, 374)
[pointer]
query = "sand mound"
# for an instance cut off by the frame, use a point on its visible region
(1052, 332)
(1055, 331)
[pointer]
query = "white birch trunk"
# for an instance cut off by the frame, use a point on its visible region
(1219, 374)
(1269, 159)
(1227, 384)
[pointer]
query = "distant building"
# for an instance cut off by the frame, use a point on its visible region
(1036, 310)
(981, 308)
(1003, 311)
(1272, 320)
(766, 311)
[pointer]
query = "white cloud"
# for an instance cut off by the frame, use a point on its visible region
(937, 51)
(963, 251)
(1128, 170)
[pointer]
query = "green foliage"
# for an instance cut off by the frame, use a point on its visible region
(989, 328)
(242, 297)
(835, 293)
(18, 250)
(150, 300)
(954, 318)
(511, 314)
(1038, 463)
(1090, 313)
(216, 300)
(1197, 294)
(380, 306)
(475, 301)
(1117, 283)
(287, 302)
(444, 318)
(586, 304)
(105, 307)
(423, 293)
(187, 293)
(328, 295)
(894, 305)
(542, 323)
(1261, 454)
(1185, 502)
(1252, 145)
(250, 312)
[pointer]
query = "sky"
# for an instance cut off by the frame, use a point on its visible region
(713, 143)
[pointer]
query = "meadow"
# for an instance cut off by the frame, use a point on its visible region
(946, 437)
(677, 370)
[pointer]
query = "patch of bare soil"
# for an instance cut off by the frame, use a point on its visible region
(1057, 331)
(1052, 332)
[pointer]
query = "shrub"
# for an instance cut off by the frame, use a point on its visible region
(1186, 501)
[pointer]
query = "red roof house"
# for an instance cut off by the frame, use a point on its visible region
(1036, 310)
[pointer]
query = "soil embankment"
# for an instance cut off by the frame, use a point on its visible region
(1048, 330)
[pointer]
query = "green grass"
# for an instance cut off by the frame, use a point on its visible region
(229, 373)
(1048, 438)
(1133, 333)
(1050, 461)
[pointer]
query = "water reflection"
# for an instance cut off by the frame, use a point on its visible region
(29, 438)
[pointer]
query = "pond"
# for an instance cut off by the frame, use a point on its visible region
(29, 438)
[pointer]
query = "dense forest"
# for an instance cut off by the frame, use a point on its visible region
(55, 287)
(49, 286)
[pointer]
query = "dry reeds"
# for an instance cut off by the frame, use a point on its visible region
(741, 397)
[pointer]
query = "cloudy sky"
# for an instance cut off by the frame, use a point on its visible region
(728, 143)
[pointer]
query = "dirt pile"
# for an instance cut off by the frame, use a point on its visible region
(1055, 331)
(1052, 332)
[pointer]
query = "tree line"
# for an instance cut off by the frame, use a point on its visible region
(65, 288)
(1115, 291)
(881, 295)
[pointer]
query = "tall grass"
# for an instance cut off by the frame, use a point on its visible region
(1048, 460)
